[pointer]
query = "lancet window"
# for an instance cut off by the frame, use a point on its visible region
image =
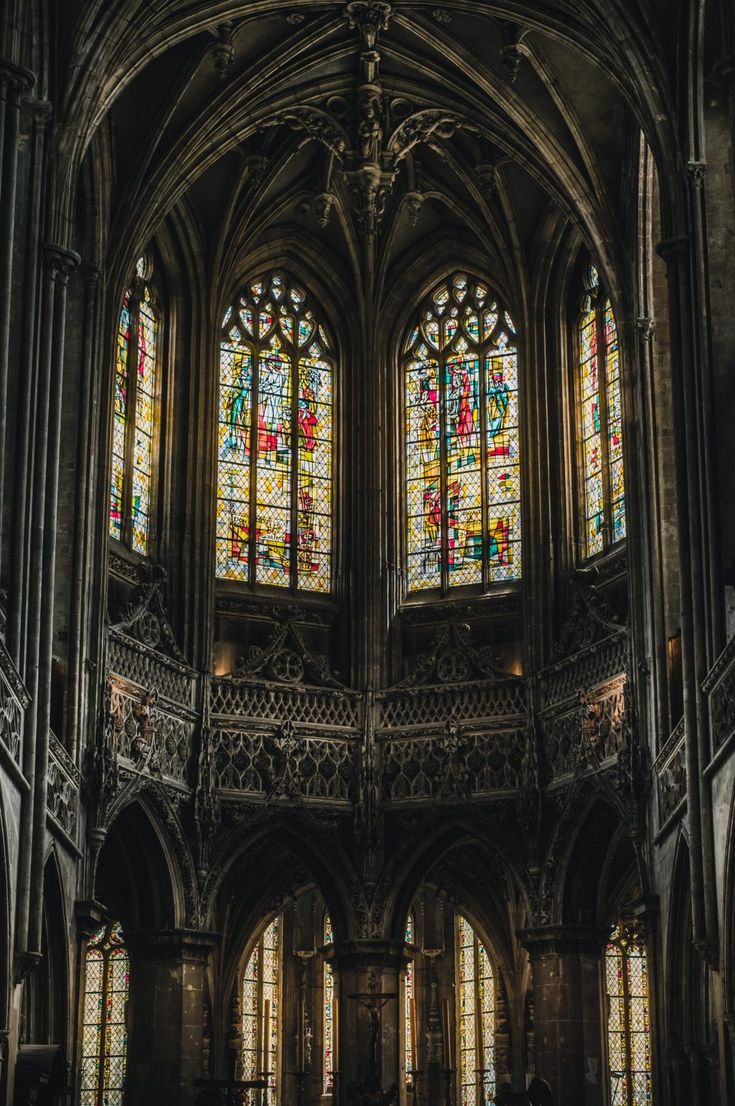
(599, 420)
(475, 997)
(462, 442)
(628, 1018)
(134, 414)
(275, 468)
(328, 1018)
(104, 1018)
(410, 1029)
(261, 1006)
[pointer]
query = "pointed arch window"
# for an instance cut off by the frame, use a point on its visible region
(275, 468)
(628, 1017)
(410, 1029)
(475, 1016)
(261, 1004)
(134, 413)
(599, 420)
(104, 1018)
(462, 444)
(328, 1016)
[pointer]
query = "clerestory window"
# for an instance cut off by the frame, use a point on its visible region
(134, 413)
(462, 443)
(599, 420)
(275, 455)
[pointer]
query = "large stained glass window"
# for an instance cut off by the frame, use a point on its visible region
(600, 420)
(134, 414)
(628, 1018)
(104, 1018)
(261, 1006)
(328, 1026)
(462, 441)
(275, 480)
(475, 997)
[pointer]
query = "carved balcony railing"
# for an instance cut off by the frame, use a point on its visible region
(62, 789)
(14, 701)
(719, 686)
(670, 771)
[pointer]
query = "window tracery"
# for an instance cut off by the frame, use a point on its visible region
(600, 420)
(462, 447)
(275, 467)
(261, 1003)
(475, 1016)
(134, 413)
(628, 1017)
(104, 1018)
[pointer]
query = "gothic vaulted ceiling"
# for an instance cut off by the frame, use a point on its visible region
(326, 123)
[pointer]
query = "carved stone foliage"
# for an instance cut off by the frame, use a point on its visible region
(454, 766)
(283, 764)
(234, 698)
(14, 701)
(62, 789)
(720, 686)
(671, 774)
(148, 734)
(586, 733)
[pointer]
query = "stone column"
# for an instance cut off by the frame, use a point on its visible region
(165, 1021)
(15, 82)
(566, 962)
(365, 970)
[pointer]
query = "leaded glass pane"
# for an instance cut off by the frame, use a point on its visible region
(329, 1027)
(275, 478)
(462, 489)
(261, 1006)
(409, 1060)
(628, 1019)
(104, 1019)
(475, 996)
(145, 391)
(119, 419)
(590, 429)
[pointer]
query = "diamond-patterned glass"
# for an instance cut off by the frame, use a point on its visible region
(104, 1018)
(475, 997)
(628, 1019)
(275, 479)
(462, 463)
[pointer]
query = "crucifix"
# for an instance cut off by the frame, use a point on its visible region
(373, 1000)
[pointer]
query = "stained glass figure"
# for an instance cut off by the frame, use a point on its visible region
(628, 1018)
(462, 473)
(261, 1000)
(104, 1018)
(475, 997)
(410, 1062)
(600, 420)
(134, 415)
(328, 1021)
(275, 481)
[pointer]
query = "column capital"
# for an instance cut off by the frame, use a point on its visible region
(16, 77)
(697, 171)
(645, 326)
(563, 940)
(89, 915)
(58, 261)
(673, 250)
(38, 112)
(191, 946)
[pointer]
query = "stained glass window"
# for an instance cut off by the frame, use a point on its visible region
(275, 481)
(462, 440)
(410, 1029)
(475, 996)
(628, 1018)
(104, 1018)
(600, 420)
(261, 1006)
(328, 1027)
(134, 412)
